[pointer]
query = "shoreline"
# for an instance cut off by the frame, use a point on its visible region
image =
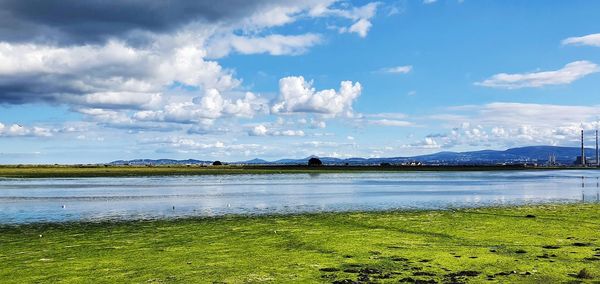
(307, 214)
(519, 244)
(46, 171)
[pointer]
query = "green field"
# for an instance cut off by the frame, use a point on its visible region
(28, 171)
(555, 244)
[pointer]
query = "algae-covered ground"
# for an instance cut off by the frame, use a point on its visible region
(50, 171)
(543, 244)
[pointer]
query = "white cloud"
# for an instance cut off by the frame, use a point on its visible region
(211, 105)
(568, 74)
(515, 124)
(289, 133)
(387, 115)
(216, 149)
(15, 130)
(427, 143)
(106, 115)
(397, 69)
(298, 95)
(113, 74)
(591, 40)
(259, 130)
(361, 27)
(429, 1)
(319, 144)
(534, 114)
(385, 119)
(129, 100)
(271, 44)
(318, 124)
(360, 15)
(312, 123)
(390, 122)
(262, 130)
(131, 76)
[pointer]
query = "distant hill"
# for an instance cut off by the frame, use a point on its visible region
(255, 162)
(531, 154)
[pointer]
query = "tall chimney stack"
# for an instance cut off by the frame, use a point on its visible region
(597, 151)
(582, 150)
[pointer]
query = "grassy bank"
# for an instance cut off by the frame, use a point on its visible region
(121, 171)
(555, 243)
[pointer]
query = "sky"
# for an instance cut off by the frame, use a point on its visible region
(233, 80)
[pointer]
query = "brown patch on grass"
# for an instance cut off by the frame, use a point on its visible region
(584, 274)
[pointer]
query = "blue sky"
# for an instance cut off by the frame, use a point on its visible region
(275, 79)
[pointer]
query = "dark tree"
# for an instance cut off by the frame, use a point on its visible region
(217, 163)
(314, 162)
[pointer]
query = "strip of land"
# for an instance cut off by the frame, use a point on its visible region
(542, 244)
(123, 171)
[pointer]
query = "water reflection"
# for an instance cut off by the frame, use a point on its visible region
(55, 200)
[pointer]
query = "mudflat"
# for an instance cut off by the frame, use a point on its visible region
(543, 243)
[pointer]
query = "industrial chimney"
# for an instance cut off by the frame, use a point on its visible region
(597, 151)
(582, 150)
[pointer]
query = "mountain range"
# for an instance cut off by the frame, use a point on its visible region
(531, 154)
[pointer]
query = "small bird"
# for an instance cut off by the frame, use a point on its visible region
(64, 206)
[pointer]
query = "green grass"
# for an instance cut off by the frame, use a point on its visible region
(46, 171)
(314, 248)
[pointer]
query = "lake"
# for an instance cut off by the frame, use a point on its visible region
(96, 199)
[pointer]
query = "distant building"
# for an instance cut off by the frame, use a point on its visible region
(589, 162)
(552, 160)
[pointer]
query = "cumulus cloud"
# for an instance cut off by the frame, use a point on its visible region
(262, 130)
(259, 130)
(566, 75)
(15, 130)
(142, 66)
(95, 21)
(591, 40)
(298, 96)
(113, 74)
(210, 106)
(509, 124)
(397, 69)
(214, 148)
(121, 68)
(312, 123)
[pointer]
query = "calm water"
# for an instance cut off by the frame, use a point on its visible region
(55, 200)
